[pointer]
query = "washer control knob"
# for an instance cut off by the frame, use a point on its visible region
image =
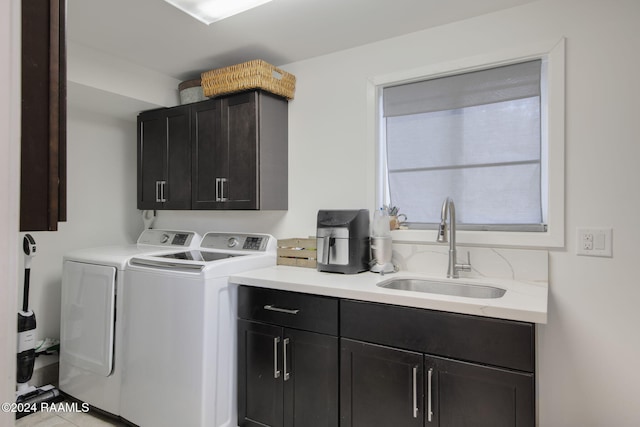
(164, 238)
(232, 242)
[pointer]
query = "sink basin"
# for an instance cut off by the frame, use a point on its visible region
(460, 289)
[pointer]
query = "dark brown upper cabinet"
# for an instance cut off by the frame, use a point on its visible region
(164, 159)
(43, 132)
(238, 160)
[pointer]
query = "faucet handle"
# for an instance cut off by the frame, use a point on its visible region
(464, 267)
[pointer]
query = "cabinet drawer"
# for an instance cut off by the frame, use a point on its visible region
(289, 309)
(496, 342)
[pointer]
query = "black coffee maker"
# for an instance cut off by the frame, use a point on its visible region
(343, 241)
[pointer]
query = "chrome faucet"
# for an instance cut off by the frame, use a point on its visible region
(449, 209)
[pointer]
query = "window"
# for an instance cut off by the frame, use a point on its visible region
(474, 137)
(489, 135)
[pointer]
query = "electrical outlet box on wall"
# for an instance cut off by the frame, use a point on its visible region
(594, 241)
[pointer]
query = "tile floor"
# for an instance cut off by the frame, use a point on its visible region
(67, 419)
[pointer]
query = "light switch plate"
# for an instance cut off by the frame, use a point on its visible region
(594, 241)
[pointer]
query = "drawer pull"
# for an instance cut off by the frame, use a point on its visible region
(281, 310)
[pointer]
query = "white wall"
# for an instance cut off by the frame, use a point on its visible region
(101, 171)
(9, 178)
(101, 194)
(588, 349)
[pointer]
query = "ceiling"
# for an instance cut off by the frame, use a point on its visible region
(154, 34)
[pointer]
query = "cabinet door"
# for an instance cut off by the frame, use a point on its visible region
(260, 386)
(152, 157)
(177, 189)
(209, 155)
(164, 159)
(310, 375)
(380, 386)
(241, 118)
(465, 394)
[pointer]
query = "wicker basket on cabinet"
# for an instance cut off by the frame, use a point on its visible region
(256, 74)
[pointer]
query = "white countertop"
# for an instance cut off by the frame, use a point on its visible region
(524, 301)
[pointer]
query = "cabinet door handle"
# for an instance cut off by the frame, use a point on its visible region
(285, 343)
(162, 185)
(222, 196)
(158, 191)
(429, 395)
(415, 392)
(281, 310)
(276, 371)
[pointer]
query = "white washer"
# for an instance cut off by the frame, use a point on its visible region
(91, 315)
(180, 335)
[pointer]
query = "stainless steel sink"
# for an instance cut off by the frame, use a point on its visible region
(445, 288)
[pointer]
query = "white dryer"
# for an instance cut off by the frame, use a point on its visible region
(91, 315)
(180, 332)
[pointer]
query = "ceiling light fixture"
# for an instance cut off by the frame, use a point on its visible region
(209, 11)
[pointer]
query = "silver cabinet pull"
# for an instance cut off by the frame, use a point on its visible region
(415, 392)
(222, 196)
(285, 343)
(162, 185)
(276, 371)
(281, 310)
(429, 396)
(160, 191)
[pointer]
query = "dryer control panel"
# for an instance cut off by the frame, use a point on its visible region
(169, 238)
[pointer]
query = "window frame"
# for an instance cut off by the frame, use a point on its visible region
(553, 53)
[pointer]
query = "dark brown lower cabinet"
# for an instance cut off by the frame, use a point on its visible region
(383, 386)
(378, 365)
(380, 386)
(286, 377)
(467, 394)
(407, 367)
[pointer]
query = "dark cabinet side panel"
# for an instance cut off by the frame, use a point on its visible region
(274, 159)
(43, 131)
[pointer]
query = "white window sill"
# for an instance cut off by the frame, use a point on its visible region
(547, 239)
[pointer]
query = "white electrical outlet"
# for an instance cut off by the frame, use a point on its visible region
(594, 241)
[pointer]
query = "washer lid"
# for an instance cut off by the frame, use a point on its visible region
(191, 261)
(199, 255)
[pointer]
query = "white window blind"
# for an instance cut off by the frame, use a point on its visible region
(475, 137)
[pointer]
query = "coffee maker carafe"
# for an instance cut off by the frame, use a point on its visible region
(343, 241)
